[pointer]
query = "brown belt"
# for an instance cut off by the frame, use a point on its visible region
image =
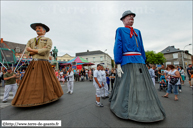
(40, 60)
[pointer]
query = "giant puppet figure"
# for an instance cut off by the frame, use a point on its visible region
(39, 84)
(134, 96)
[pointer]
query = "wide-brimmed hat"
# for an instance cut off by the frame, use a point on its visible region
(128, 12)
(33, 26)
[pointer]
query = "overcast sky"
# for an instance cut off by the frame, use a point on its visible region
(81, 26)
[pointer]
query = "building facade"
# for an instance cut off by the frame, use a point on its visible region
(17, 47)
(177, 57)
(96, 57)
(65, 57)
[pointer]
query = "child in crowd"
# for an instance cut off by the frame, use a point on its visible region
(163, 85)
(162, 77)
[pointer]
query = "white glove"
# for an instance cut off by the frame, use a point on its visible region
(119, 70)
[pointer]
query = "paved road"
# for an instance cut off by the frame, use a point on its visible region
(79, 110)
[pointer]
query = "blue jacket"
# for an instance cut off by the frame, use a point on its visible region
(123, 43)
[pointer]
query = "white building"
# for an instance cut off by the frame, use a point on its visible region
(96, 57)
(65, 57)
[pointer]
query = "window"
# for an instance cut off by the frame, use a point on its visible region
(101, 58)
(175, 55)
(185, 56)
(94, 59)
(167, 63)
(176, 62)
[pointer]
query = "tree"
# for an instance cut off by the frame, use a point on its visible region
(155, 58)
(112, 63)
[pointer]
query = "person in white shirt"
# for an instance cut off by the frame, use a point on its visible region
(152, 73)
(97, 82)
(70, 79)
(105, 88)
(173, 74)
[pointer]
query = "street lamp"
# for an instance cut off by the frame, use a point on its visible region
(183, 54)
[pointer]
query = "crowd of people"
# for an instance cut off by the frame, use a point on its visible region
(19, 76)
(171, 78)
(85, 75)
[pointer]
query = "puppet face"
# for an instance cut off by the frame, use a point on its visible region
(40, 30)
(128, 20)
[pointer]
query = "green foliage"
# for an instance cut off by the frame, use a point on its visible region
(155, 58)
(112, 63)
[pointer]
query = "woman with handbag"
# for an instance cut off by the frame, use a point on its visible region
(174, 81)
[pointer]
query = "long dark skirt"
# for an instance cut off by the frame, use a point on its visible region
(38, 86)
(134, 96)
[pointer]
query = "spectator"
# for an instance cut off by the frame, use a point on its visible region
(160, 70)
(191, 78)
(108, 81)
(90, 74)
(3, 81)
(109, 71)
(1, 76)
(86, 72)
(74, 70)
(70, 83)
(22, 73)
(61, 73)
(106, 70)
(65, 73)
(10, 84)
(174, 76)
(56, 73)
(178, 68)
(78, 75)
(82, 75)
(112, 78)
(166, 74)
(152, 73)
(162, 85)
(182, 73)
(18, 77)
(189, 73)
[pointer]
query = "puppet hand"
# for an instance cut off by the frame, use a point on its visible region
(28, 49)
(119, 70)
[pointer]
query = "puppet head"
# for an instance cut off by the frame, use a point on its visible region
(40, 28)
(128, 18)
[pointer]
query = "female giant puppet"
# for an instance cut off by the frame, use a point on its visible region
(39, 84)
(134, 95)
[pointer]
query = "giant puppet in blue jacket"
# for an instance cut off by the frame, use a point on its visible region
(134, 96)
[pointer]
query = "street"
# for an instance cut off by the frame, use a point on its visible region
(79, 110)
